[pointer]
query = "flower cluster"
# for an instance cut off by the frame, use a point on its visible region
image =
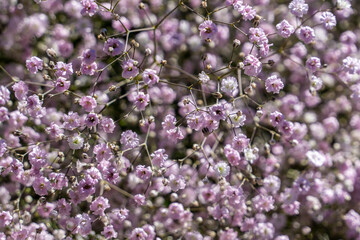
(175, 119)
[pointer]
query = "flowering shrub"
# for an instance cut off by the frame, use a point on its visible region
(179, 119)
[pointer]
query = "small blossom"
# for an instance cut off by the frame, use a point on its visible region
(218, 112)
(237, 119)
(62, 84)
(5, 218)
(285, 29)
(107, 124)
(273, 84)
(89, 7)
(313, 64)
(276, 118)
(229, 86)
(351, 65)
(102, 152)
(143, 172)
(99, 205)
(240, 142)
(328, 20)
(203, 77)
(88, 69)
(150, 77)
(129, 139)
(232, 155)
(298, 8)
(75, 142)
(139, 199)
(176, 182)
(252, 66)
(315, 158)
(208, 30)
(248, 13)
(257, 36)
(159, 157)
(316, 83)
(21, 89)
(263, 203)
(88, 103)
(306, 34)
(34, 64)
(91, 120)
(88, 56)
(113, 47)
(130, 69)
(141, 100)
(109, 232)
(64, 70)
(222, 169)
(41, 186)
(4, 95)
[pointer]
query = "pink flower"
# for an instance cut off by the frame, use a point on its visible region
(208, 30)
(298, 8)
(109, 232)
(89, 7)
(113, 47)
(252, 66)
(247, 12)
(130, 69)
(159, 157)
(102, 152)
(232, 155)
(176, 182)
(276, 118)
(143, 172)
(5, 218)
(273, 84)
(138, 234)
(88, 69)
(88, 56)
(34, 64)
(107, 124)
(63, 70)
(62, 84)
(313, 64)
(139, 199)
(21, 89)
(141, 100)
(4, 95)
(285, 29)
(99, 205)
(129, 139)
(41, 186)
(257, 36)
(91, 120)
(150, 77)
(306, 34)
(328, 20)
(88, 103)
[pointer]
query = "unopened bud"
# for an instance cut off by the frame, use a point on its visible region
(147, 52)
(236, 43)
(51, 52)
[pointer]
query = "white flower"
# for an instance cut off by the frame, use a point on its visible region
(75, 142)
(238, 119)
(315, 158)
(222, 169)
(343, 4)
(250, 154)
(203, 77)
(316, 83)
(229, 86)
